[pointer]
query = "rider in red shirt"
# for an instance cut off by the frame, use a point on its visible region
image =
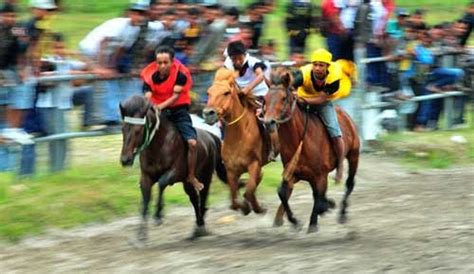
(166, 84)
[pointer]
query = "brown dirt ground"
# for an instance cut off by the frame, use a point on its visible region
(400, 221)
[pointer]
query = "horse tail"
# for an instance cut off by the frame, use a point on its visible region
(220, 167)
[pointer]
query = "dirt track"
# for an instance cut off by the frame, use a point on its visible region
(399, 222)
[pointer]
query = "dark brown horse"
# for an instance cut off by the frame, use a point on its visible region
(244, 149)
(315, 157)
(163, 158)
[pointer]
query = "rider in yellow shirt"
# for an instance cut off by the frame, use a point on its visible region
(318, 84)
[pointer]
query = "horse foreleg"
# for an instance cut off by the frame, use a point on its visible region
(145, 187)
(166, 179)
(159, 205)
(233, 182)
(255, 177)
(278, 221)
(283, 192)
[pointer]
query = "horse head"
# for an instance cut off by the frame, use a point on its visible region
(221, 95)
(279, 102)
(138, 128)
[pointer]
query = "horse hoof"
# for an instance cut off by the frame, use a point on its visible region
(277, 222)
(158, 221)
(296, 224)
(137, 243)
(234, 207)
(312, 229)
(245, 210)
(199, 231)
(261, 211)
(331, 203)
(343, 219)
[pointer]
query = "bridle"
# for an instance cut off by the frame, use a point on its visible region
(227, 104)
(150, 129)
(288, 113)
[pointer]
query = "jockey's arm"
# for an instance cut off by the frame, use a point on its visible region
(258, 79)
(170, 101)
(320, 99)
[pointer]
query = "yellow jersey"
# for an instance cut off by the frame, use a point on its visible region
(335, 73)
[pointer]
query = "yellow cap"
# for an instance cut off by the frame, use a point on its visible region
(321, 55)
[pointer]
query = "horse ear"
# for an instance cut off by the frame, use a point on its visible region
(286, 79)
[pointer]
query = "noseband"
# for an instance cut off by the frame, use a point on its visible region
(149, 131)
(282, 119)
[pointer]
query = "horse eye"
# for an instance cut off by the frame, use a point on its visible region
(227, 93)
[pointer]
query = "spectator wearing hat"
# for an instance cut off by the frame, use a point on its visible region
(112, 45)
(396, 27)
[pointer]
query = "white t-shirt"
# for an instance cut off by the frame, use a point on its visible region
(120, 29)
(261, 89)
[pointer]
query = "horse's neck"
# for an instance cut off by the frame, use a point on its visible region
(240, 129)
(160, 143)
(292, 130)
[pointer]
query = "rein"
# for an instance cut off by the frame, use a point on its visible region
(149, 131)
(235, 121)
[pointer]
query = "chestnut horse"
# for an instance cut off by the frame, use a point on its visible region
(244, 149)
(314, 158)
(163, 154)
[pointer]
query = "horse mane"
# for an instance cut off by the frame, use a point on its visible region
(283, 76)
(133, 105)
(247, 100)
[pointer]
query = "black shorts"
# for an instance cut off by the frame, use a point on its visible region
(180, 117)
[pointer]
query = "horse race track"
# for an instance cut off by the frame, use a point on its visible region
(399, 221)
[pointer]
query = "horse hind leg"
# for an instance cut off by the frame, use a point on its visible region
(194, 198)
(353, 159)
(321, 204)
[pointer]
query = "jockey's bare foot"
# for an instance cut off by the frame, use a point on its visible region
(196, 184)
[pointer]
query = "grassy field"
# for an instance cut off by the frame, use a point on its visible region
(94, 190)
(97, 189)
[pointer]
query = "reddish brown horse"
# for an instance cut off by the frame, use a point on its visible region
(243, 149)
(315, 158)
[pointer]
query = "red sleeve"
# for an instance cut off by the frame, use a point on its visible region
(329, 9)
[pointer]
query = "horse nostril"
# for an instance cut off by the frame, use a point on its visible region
(126, 161)
(209, 112)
